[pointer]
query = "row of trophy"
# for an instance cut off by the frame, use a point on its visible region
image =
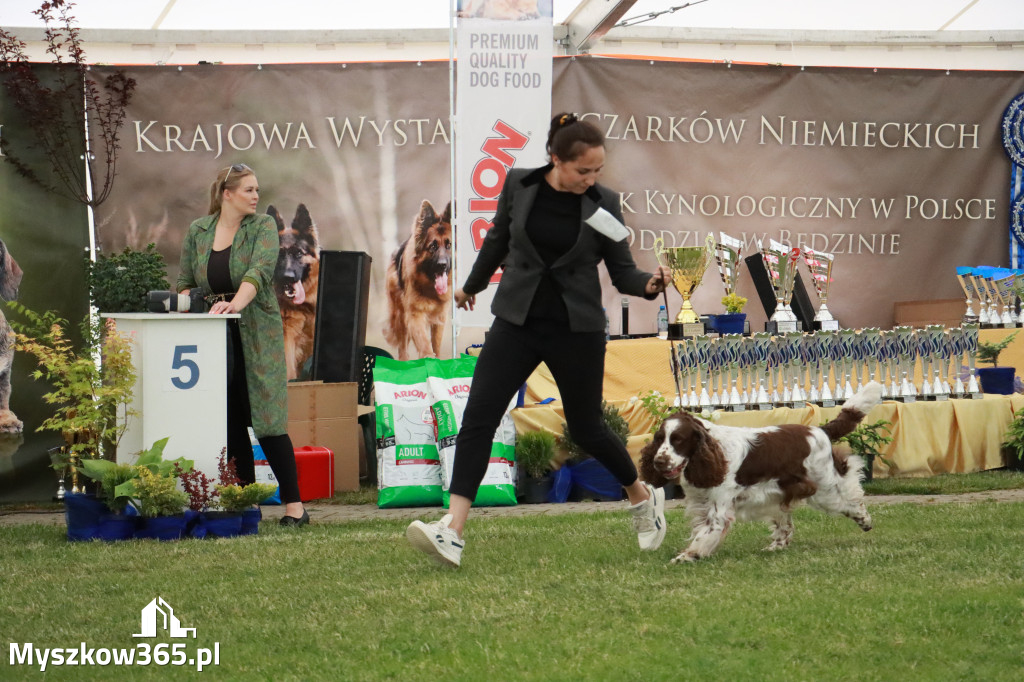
(763, 371)
(689, 263)
(997, 293)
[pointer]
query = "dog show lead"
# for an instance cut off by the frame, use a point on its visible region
(553, 225)
(232, 252)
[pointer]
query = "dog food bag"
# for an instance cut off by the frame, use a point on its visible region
(449, 382)
(408, 465)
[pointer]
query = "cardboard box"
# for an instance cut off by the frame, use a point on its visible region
(324, 415)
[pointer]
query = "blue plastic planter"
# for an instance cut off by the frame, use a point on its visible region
(82, 514)
(116, 527)
(222, 524)
(162, 527)
(251, 521)
(998, 380)
(730, 323)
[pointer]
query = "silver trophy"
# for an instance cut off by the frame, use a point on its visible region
(970, 347)
(826, 341)
(1003, 286)
(794, 367)
(906, 348)
(762, 352)
(731, 346)
(702, 350)
(847, 344)
(963, 275)
(981, 290)
(820, 266)
(727, 254)
(870, 344)
(939, 361)
(780, 263)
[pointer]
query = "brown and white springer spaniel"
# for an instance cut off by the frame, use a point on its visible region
(758, 473)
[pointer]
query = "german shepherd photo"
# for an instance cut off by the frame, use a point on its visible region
(295, 282)
(417, 282)
(10, 280)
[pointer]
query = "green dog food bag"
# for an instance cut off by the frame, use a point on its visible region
(408, 464)
(449, 382)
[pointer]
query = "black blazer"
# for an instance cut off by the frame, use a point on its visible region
(575, 273)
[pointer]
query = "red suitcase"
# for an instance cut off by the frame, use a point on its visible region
(315, 467)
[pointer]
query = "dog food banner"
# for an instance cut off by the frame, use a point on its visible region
(504, 100)
(900, 174)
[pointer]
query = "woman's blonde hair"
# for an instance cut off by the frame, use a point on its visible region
(228, 178)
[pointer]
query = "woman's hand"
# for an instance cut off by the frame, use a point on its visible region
(464, 300)
(246, 293)
(660, 281)
(224, 308)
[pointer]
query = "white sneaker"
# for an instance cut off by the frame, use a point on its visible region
(649, 519)
(437, 540)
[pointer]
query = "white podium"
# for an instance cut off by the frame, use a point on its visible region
(181, 387)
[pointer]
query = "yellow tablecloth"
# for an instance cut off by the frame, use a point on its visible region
(928, 437)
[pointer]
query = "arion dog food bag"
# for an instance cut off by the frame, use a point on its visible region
(449, 382)
(408, 465)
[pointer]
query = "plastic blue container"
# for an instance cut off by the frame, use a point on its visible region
(82, 514)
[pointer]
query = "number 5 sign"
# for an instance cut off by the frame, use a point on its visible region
(181, 386)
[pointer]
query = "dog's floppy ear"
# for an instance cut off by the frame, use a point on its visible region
(707, 466)
(276, 215)
(648, 472)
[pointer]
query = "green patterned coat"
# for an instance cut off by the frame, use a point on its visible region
(253, 259)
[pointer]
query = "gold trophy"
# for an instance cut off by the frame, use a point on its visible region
(820, 265)
(687, 264)
(780, 262)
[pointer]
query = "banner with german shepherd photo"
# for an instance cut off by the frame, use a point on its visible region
(900, 174)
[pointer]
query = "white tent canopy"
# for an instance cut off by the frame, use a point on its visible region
(952, 34)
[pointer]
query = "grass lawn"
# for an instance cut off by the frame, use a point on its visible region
(934, 592)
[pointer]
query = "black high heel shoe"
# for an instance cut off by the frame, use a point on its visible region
(292, 521)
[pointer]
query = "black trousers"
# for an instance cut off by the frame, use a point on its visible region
(278, 449)
(509, 356)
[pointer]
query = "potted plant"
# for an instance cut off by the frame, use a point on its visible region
(1013, 443)
(238, 512)
(238, 501)
(734, 319)
(86, 396)
(119, 283)
(867, 440)
(161, 505)
(535, 451)
(995, 379)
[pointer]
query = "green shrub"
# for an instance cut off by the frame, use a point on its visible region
(119, 283)
(534, 452)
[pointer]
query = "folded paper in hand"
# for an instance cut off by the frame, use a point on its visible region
(605, 223)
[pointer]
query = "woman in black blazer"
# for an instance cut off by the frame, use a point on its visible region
(552, 227)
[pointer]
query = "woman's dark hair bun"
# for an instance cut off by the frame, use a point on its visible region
(569, 136)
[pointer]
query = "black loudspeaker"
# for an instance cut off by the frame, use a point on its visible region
(801, 303)
(342, 297)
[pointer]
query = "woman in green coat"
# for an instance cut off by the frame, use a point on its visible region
(233, 253)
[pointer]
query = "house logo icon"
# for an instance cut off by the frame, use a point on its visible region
(160, 612)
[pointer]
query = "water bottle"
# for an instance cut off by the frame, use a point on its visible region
(607, 326)
(662, 323)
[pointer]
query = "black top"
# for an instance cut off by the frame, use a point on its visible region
(553, 227)
(218, 273)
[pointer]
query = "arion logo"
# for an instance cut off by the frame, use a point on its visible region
(159, 613)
